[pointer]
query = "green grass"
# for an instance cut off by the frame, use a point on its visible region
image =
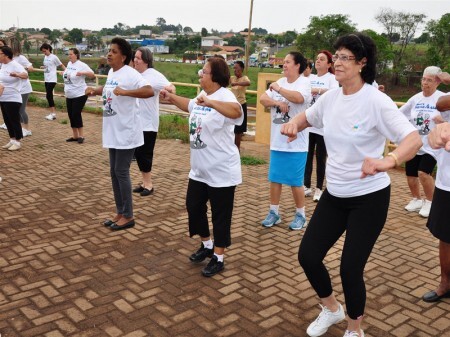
(250, 160)
(173, 127)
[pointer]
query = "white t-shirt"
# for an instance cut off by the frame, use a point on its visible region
(420, 111)
(278, 142)
(215, 159)
(26, 84)
(326, 81)
(149, 107)
(12, 85)
(443, 170)
(355, 127)
(122, 126)
(75, 86)
(51, 63)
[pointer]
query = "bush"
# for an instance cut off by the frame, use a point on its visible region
(173, 127)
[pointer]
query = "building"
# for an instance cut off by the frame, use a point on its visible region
(209, 42)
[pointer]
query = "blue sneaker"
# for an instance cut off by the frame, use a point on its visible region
(271, 219)
(298, 223)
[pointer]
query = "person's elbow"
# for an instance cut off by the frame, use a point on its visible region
(416, 141)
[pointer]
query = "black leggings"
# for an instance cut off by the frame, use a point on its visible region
(74, 108)
(49, 86)
(362, 218)
(144, 153)
(221, 200)
(316, 143)
(11, 117)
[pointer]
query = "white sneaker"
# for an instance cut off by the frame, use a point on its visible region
(325, 319)
(425, 210)
(25, 133)
(29, 133)
(354, 333)
(414, 205)
(3, 126)
(51, 117)
(14, 147)
(7, 146)
(317, 195)
(308, 192)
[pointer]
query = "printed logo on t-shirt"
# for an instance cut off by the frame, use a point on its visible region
(66, 77)
(107, 104)
(423, 121)
(195, 131)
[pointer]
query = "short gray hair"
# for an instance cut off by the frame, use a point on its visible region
(432, 70)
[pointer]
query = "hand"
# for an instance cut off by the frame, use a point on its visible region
(79, 73)
(284, 107)
(440, 137)
(164, 95)
(90, 91)
(372, 166)
(118, 91)
(233, 84)
(203, 101)
(290, 130)
(274, 86)
(438, 119)
(14, 74)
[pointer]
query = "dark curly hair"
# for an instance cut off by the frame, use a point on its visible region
(362, 46)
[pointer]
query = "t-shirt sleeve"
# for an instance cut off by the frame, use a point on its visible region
(314, 114)
(228, 96)
(159, 82)
(406, 108)
(57, 61)
(391, 122)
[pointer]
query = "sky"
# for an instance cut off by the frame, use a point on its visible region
(276, 16)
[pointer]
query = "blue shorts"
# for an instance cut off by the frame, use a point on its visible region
(287, 168)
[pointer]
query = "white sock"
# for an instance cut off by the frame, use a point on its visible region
(219, 257)
(301, 211)
(274, 208)
(208, 244)
(16, 142)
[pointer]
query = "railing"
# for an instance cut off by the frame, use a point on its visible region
(168, 108)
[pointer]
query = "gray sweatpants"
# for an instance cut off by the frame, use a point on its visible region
(119, 163)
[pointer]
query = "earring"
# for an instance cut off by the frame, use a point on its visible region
(359, 70)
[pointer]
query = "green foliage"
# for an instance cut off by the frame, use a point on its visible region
(173, 127)
(204, 32)
(384, 52)
(75, 35)
(322, 32)
(64, 121)
(439, 51)
(250, 160)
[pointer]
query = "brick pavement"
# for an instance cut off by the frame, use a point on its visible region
(63, 274)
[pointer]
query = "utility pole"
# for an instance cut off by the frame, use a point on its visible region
(247, 46)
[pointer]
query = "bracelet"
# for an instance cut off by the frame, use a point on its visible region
(393, 155)
(279, 89)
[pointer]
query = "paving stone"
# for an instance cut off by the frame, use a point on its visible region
(64, 274)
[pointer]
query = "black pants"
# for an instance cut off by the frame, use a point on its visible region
(144, 153)
(74, 108)
(11, 117)
(49, 86)
(317, 145)
(221, 200)
(362, 218)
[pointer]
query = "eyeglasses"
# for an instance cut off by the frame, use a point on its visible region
(342, 58)
(201, 72)
(429, 80)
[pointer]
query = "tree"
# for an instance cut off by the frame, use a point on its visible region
(54, 37)
(160, 22)
(404, 24)
(322, 32)
(187, 29)
(75, 36)
(289, 37)
(204, 32)
(237, 40)
(46, 31)
(384, 52)
(439, 51)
